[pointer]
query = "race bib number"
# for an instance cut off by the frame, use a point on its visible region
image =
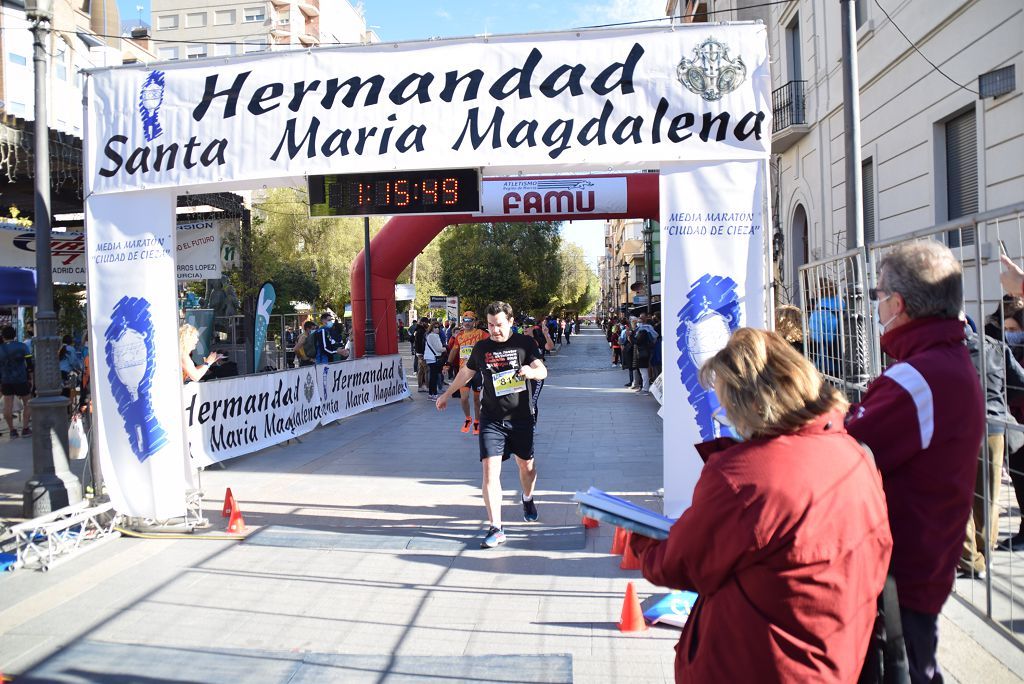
(508, 382)
(465, 351)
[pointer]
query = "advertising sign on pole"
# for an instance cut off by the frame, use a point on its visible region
(136, 368)
(405, 292)
(198, 251)
(452, 308)
(712, 245)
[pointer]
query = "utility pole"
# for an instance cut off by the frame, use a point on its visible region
(851, 125)
(370, 342)
(52, 485)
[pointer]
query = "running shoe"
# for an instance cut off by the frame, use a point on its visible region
(26, 432)
(14, 434)
(465, 426)
(495, 537)
(530, 511)
(476, 427)
(432, 397)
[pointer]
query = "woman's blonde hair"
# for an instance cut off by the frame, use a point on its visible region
(766, 387)
(789, 323)
(185, 333)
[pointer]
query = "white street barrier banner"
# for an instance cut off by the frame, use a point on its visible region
(539, 196)
(582, 99)
(199, 252)
(134, 349)
(236, 416)
(713, 277)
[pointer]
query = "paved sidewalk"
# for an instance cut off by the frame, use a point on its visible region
(363, 564)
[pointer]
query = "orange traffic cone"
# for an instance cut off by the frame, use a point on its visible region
(629, 559)
(619, 541)
(589, 523)
(236, 523)
(632, 614)
(229, 504)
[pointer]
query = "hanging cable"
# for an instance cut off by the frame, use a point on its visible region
(896, 26)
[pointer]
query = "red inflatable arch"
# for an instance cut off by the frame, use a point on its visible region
(404, 237)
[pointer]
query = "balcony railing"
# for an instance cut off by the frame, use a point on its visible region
(788, 106)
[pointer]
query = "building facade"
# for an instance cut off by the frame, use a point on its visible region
(942, 116)
(629, 271)
(84, 34)
(184, 30)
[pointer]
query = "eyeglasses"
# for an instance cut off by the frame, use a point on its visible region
(468, 320)
(875, 293)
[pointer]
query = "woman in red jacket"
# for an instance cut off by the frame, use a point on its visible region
(787, 540)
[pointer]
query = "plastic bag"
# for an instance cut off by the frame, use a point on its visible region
(78, 442)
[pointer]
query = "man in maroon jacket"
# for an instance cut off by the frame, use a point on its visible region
(924, 419)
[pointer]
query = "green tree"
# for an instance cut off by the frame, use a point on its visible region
(428, 276)
(514, 262)
(307, 259)
(577, 290)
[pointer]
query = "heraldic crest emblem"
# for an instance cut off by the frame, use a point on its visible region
(711, 74)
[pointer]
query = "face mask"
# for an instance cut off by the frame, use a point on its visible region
(878, 316)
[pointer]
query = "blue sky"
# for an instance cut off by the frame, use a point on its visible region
(396, 20)
(415, 19)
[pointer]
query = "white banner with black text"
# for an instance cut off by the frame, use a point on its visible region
(713, 276)
(237, 416)
(584, 99)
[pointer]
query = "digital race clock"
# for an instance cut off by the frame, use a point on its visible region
(450, 191)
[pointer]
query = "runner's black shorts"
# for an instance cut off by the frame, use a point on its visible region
(476, 384)
(15, 389)
(506, 437)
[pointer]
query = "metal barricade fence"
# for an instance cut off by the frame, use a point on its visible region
(232, 339)
(836, 318)
(835, 301)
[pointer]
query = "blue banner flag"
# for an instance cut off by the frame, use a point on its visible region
(264, 306)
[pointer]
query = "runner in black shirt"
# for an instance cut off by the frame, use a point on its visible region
(507, 361)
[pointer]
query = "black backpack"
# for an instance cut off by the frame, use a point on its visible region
(643, 339)
(309, 345)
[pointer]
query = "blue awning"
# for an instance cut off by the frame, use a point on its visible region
(17, 286)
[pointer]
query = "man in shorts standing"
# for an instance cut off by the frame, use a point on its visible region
(15, 361)
(506, 361)
(461, 347)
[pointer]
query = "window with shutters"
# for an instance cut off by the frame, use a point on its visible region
(961, 173)
(867, 174)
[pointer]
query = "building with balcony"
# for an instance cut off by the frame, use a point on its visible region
(942, 116)
(85, 34)
(629, 271)
(184, 31)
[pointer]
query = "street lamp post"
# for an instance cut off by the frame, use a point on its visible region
(52, 485)
(625, 286)
(370, 340)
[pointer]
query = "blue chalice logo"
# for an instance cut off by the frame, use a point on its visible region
(130, 356)
(151, 96)
(710, 316)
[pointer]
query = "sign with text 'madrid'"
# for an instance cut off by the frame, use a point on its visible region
(587, 99)
(198, 251)
(236, 416)
(713, 280)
